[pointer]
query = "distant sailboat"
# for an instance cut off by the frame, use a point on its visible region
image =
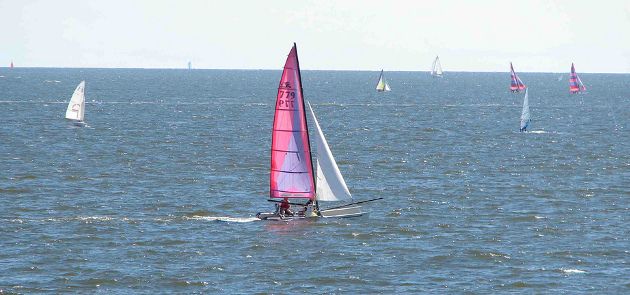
(436, 68)
(190, 65)
(516, 85)
(575, 83)
(382, 84)
(11, 66)
(525, 116)
(292, 175)
(76, 107)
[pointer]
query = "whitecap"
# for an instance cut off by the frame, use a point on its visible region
(572, 270)
(97, 218)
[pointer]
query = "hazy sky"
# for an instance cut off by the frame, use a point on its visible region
(538, 36)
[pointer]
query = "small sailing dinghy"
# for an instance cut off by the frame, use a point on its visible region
(575, 83)
(382, 85)
(525, 116)
(516, 85)
(76, 107)
(292, 174)
(436, 68)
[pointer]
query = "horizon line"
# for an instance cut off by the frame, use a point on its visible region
(280, 69)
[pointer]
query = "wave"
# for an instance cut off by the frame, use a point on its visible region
(222, 218)
(104, 218)
(86, 219)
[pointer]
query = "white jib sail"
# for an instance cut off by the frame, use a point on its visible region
(437, 67)
(76, 107)
(330, 183)
(525, 116)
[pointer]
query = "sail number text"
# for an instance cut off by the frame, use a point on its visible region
(286, 99)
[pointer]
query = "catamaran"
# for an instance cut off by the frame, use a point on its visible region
(575, 83)
(516, 85)
(292, 174)
(76, 107)
(525, 116)
(436, 68)
(382, 84)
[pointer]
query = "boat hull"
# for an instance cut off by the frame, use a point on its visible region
(343, 212)
(78, 123)
(275, 217)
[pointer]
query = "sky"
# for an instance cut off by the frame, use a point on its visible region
(537, 36)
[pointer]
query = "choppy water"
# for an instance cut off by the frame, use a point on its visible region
(158, 194)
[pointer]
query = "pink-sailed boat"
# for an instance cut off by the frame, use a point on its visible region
(292, 178)
(516, 85)
(575, 83)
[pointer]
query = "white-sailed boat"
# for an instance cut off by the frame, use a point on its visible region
(382, 85)
(292, 175)
(525, 116)
(436, 68)
(76, 107)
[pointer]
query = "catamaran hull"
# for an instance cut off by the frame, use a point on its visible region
(77, 123)
(275, 217)
(344, 212)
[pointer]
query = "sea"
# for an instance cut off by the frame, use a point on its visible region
(158, 193)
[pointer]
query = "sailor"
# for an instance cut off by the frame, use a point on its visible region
(305, 208)
(314, 210)
(311, 209)
(285, 208)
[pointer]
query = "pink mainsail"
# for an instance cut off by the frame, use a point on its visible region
(575, 84)
(291, 168)
(516, 85)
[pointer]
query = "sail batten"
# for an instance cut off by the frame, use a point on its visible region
(516, 84)
(76, 106)
(291, 172)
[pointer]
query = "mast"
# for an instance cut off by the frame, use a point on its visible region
(310, 150)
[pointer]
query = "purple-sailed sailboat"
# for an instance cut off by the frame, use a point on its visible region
(575, 83)
(516, 85)
(292, 175)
